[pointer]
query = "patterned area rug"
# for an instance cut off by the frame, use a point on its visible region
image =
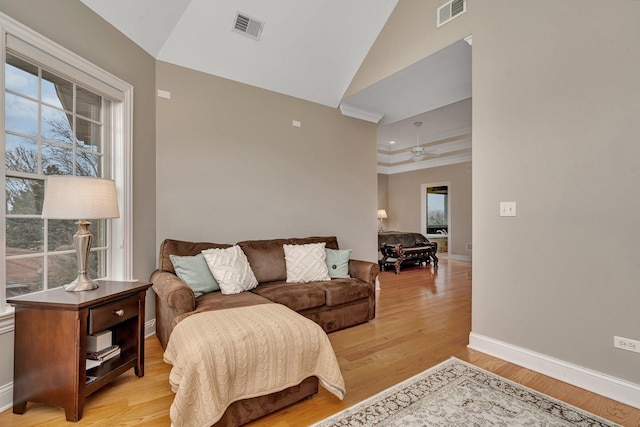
(455, 393)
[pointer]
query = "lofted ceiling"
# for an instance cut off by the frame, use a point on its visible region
(309, 49)
(312, 49)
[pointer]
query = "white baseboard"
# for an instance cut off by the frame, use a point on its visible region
(596, 382)
(149, 328)
(460, 257)
(6, 396)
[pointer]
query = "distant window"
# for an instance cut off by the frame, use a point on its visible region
(437, 202)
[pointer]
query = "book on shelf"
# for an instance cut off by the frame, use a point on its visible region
(93, 364)
(111, 355)
(104, 354)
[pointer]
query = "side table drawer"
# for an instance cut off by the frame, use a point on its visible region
(105, 316)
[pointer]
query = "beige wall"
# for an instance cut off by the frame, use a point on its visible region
(383, 191)
(555, 128)
(405, 190)
(76, 27)
(231, 166)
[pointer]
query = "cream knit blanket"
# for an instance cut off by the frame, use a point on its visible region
(222, 356)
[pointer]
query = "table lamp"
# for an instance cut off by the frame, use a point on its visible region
(74, 197)
(382, 214)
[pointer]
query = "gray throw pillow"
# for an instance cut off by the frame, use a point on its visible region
(338, 263)
(194, 271)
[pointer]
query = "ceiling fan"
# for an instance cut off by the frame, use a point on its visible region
(418, 153)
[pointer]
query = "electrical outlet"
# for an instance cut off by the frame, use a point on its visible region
(626, 344)
(507, 208)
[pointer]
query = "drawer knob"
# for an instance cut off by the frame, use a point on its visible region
(119, 313)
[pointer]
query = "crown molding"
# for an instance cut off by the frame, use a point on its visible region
(360, 113)
(425, 164)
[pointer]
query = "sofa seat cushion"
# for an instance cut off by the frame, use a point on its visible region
(341, 291)
(296, 296)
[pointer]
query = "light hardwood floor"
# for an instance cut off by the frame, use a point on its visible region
(422, 319)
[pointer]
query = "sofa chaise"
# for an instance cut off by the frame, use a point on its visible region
(334, 304)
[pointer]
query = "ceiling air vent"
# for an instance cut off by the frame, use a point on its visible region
(450, 10)
(250, 27)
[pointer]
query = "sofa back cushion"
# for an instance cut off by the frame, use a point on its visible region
(266, 257)
(182, 248)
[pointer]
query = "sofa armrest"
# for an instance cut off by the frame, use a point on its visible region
(173, 292)
(364, 270)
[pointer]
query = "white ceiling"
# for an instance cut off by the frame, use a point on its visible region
(309, 49)
(312, 49)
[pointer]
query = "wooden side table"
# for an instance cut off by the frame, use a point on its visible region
(50, 342)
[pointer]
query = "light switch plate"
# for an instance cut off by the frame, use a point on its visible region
(507, 208)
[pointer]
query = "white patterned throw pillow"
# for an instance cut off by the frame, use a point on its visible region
(231, 269)
(306, 263)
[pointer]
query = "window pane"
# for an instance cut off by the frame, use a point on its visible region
(21, 115)
(99, 230)
(21, 154)
(21, 77)
(56, 125)
(88, 164)
(57, 160)
(60, 234)
(436, 209)
(57, 91)
(62, 270)
(24, 276)
(24, 196)
(61, 231)
(97, 264)
(88, 104)
(24, 236)
(88, 135)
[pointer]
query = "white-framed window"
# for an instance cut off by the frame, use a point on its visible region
(60, 115)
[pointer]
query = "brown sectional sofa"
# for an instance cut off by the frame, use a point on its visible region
(334, 304)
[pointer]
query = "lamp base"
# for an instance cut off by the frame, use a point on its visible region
(82, 283)
(82, 242)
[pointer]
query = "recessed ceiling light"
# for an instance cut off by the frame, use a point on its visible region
(392, 142)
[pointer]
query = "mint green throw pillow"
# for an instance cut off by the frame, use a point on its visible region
(338, 263)
(194, 271)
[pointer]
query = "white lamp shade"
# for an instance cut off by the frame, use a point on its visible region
(382, 214)
(80, 197)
